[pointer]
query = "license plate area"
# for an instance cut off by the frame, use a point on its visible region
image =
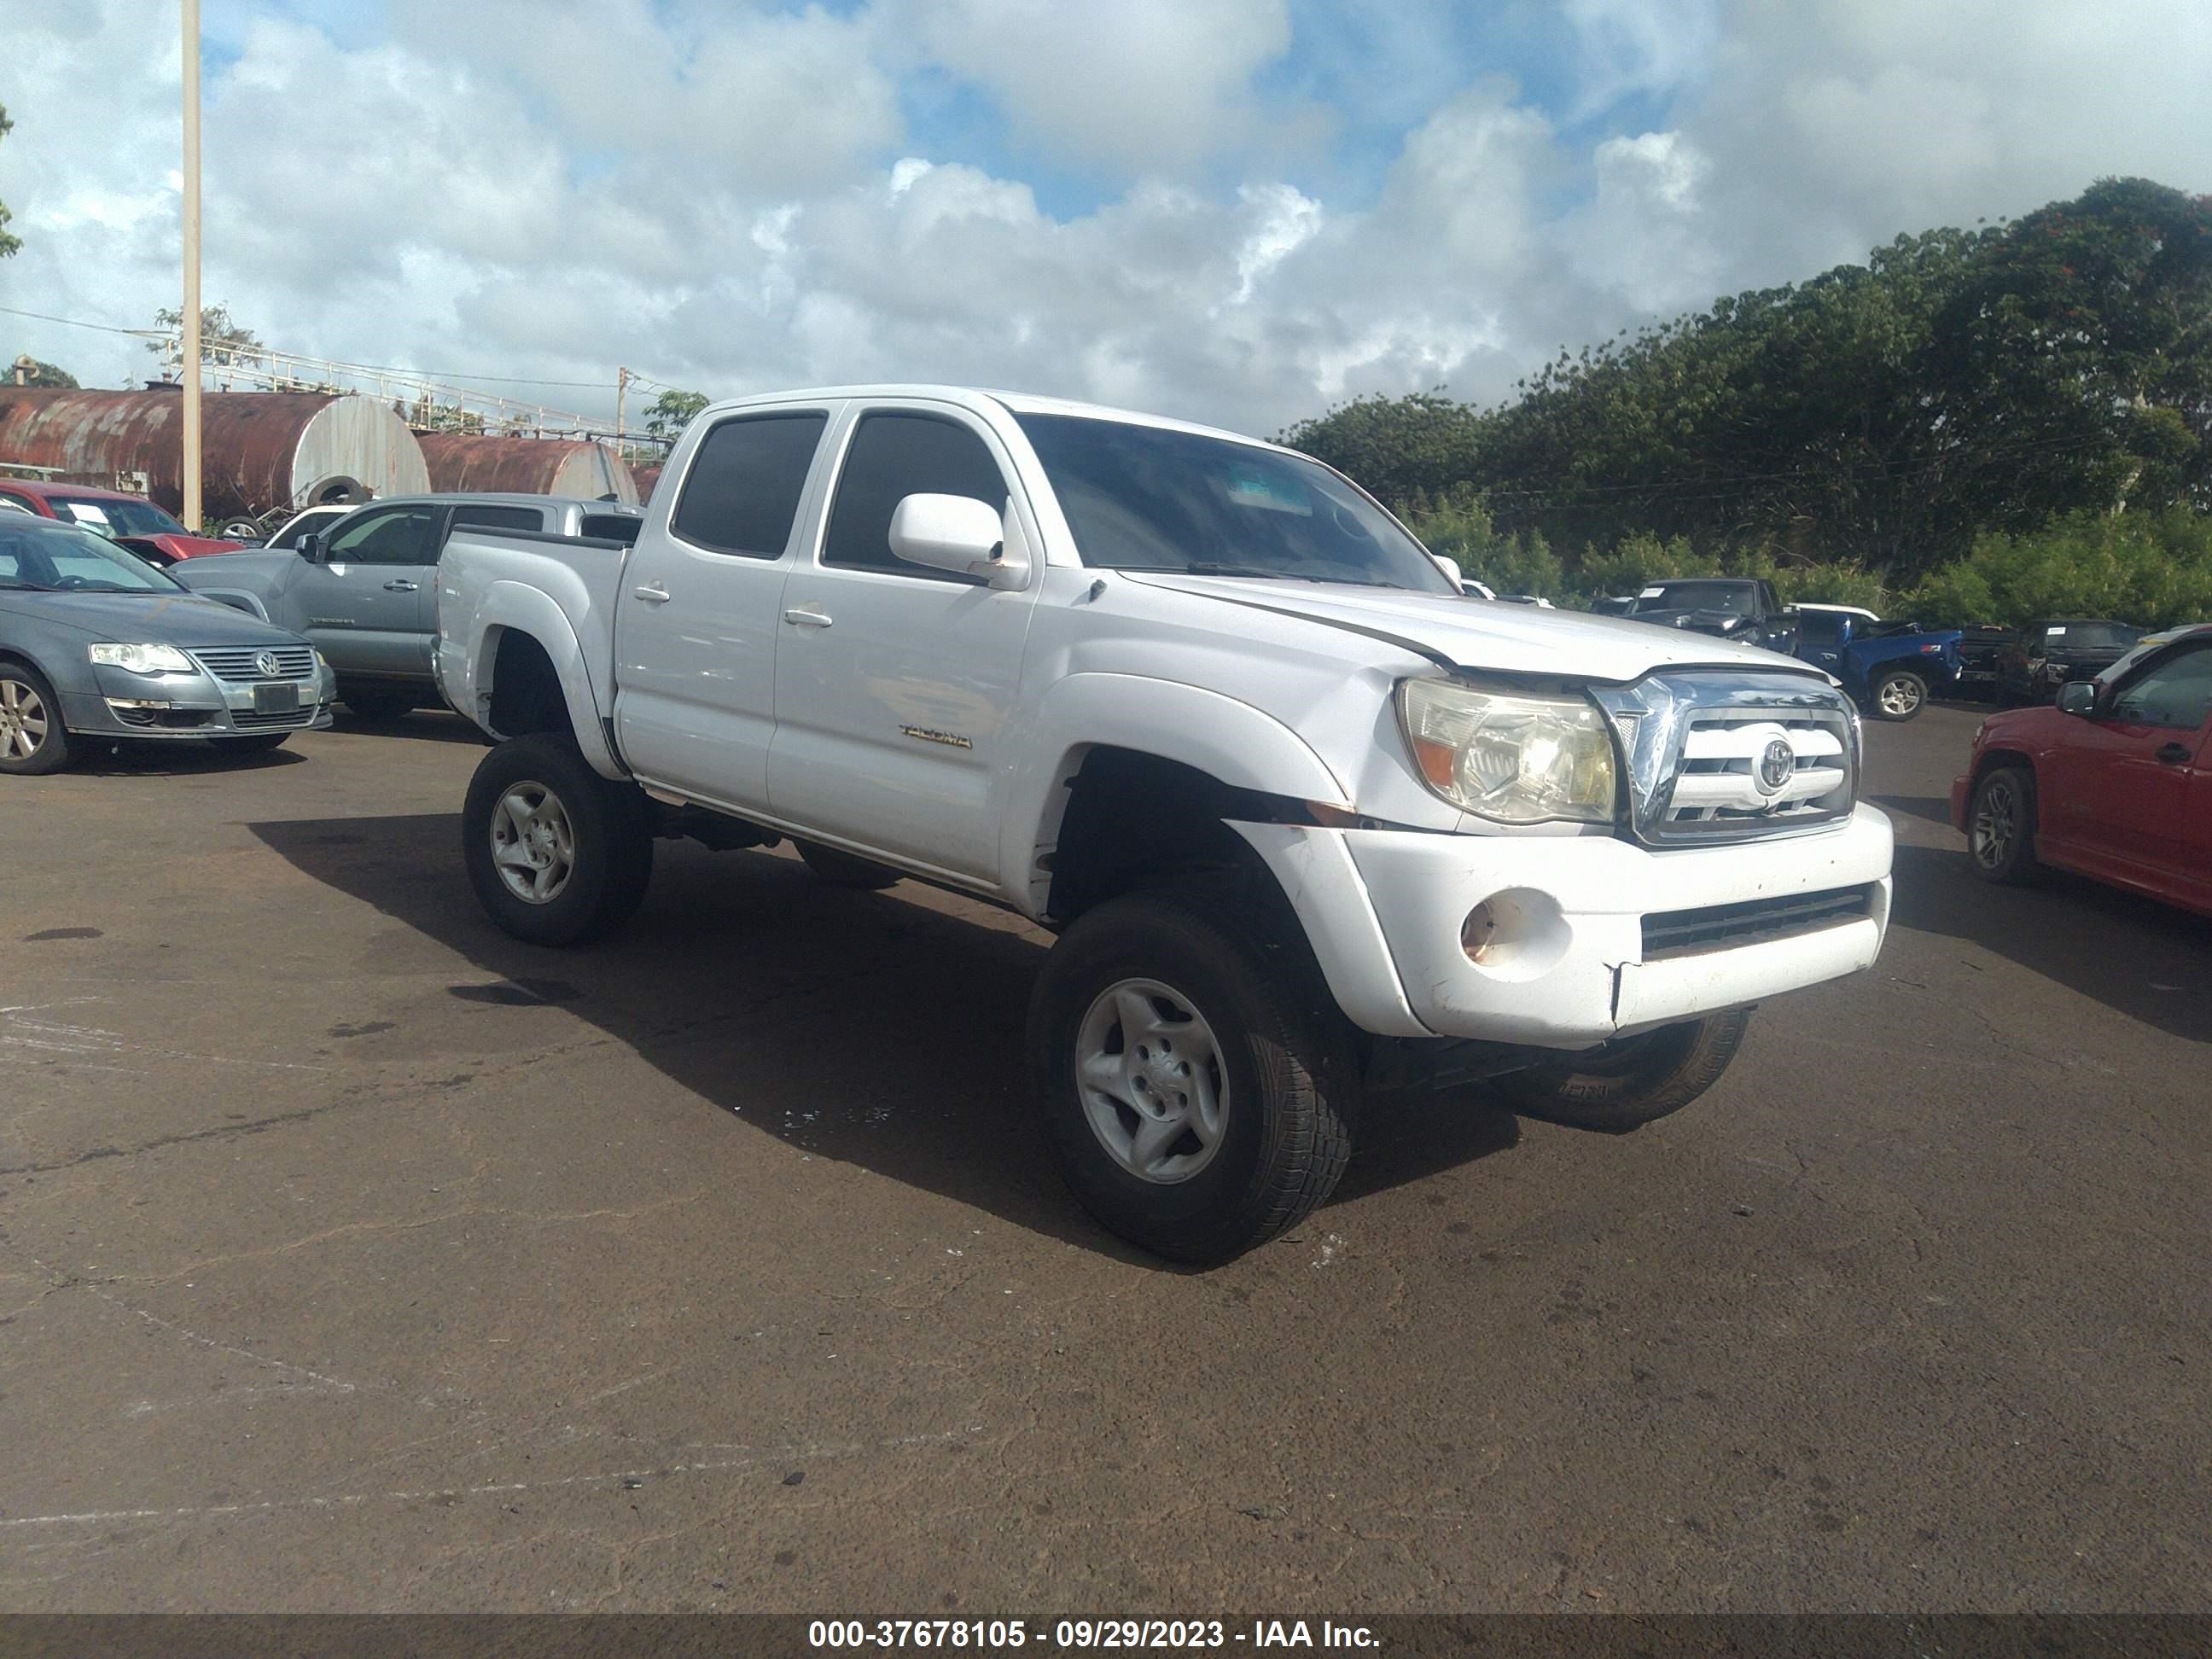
(276, 699)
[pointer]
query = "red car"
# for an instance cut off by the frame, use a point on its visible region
(2114, 782)
(133, 520)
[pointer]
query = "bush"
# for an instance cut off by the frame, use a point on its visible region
(2154, 569)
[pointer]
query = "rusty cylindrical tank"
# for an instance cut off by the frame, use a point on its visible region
(647, 478)
(526, 466)
(260, 450)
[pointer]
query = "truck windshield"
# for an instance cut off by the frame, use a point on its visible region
(2090, 636)
(115, 517)
(1742, 597)
(1146, 498)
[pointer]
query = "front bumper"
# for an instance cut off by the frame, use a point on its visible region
(164, 706)
(1384, 910)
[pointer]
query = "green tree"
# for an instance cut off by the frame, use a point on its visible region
(1401, 450)
(9, 244)
(28, 370)
(671, 412)
(222, 342)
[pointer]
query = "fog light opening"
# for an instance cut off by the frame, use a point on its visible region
(1518, 934)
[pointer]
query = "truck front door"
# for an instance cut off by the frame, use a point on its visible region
(696, 621)
(365, 600)
(896, 685)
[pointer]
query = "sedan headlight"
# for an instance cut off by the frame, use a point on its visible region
(1516, 758)
(144, 658)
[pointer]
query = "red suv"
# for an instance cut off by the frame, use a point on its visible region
(133, 520)
(2115, 782)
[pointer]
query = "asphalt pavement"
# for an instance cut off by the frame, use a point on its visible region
(355, 1257)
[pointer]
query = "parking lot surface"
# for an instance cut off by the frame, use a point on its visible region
(354, 1256)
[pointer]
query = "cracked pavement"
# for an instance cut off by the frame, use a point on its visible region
(353, 1257)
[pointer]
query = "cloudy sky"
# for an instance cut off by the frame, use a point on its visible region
(1235, 210)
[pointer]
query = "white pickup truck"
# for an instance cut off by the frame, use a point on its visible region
(1307, 819)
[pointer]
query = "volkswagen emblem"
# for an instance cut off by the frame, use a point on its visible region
(1777, 761)
(269, 665)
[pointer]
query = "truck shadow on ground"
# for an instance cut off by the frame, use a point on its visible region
(2147, 961)
(882, 1029)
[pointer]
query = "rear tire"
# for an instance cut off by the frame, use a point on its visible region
(2000, 827)
(1899, 695)
(32, 739)
(1631, 1081)
(557, 855)
(844, 870)
(1264, 1087)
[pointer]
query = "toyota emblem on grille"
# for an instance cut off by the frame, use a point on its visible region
(1776, 763)
(269, 665)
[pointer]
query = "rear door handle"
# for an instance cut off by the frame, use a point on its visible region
(2174, 754)
(651, 595)
(806, 618)
(399, 587)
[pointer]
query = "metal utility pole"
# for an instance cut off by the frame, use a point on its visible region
(622, 386)
(192, 317)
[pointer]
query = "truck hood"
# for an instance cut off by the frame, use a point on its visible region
(1480, 633)
(178, 619)
(224, 569)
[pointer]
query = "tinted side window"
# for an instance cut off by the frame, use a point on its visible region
(612, 527)
(1820, 627)
(895, 456)
(742, 490)
(2175, 692)
(399, 535)
(499, 517)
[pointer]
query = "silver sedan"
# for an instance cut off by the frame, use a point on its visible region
(96, 644)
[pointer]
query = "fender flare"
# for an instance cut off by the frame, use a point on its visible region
(1239, 745)
(512, 607)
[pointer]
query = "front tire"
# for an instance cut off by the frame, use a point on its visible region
(557, 855)
(377, 704)
(1198, 1099)
(1631, 1081)
(2000, 827)
(844, 870)
(32, 739)
(1899, 695)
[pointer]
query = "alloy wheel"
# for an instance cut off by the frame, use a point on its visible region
(1899, 697)
(23, 720)
(1154, 1089)
(1996, 822)
(534, 846)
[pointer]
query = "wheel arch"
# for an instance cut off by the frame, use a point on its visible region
(1207, 752)
(525, 628)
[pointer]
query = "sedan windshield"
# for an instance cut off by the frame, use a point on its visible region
(111, 517)
(46, 558)
(1148, 498)
(1739, 596)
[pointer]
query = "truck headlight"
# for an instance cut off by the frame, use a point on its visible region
(1512, 757)
(143, 658)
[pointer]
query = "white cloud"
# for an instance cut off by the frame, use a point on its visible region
(728, 196)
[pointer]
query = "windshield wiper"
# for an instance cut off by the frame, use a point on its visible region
(1206, 567)
(27, 587)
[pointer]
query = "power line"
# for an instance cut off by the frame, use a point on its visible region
(72, 322)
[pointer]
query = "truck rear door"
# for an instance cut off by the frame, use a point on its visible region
(696, 618)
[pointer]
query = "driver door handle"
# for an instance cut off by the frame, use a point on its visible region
(651, 595)
(399, 587)
(2174, 754)
(806, 618)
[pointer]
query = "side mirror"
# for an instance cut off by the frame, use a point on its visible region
(1452, 573)
(957, 533)
(2078, 697)
(309, 547)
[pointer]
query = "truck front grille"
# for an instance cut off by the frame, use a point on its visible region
(1716, 755)
(1726, 926)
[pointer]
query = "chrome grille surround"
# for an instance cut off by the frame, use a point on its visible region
(238, 664)
(1693, 739)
